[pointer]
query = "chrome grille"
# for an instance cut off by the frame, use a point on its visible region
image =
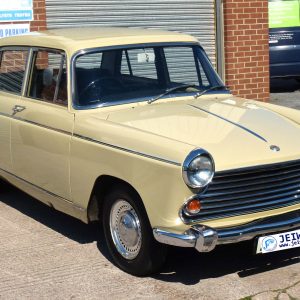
(249, 190)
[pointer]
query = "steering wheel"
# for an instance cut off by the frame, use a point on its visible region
(93, 90)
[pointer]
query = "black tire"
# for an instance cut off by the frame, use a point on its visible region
(4, 186)
(151, 254)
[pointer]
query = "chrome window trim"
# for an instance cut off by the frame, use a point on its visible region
(30, 65)
(107, 48)
(27, 73)
(59, 76)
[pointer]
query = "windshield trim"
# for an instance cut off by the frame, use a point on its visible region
(127, 46)
(145, 99)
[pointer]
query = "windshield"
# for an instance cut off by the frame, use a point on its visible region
(126, 75)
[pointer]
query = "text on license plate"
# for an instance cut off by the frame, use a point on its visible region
(277, 242)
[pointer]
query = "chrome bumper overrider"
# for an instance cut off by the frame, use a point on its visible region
(205, 239)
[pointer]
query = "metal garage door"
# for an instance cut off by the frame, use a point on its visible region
(196, 17)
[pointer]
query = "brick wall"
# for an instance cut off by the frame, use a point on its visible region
(246, 40)
(39, 12)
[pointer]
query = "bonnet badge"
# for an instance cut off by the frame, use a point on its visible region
(275, 148)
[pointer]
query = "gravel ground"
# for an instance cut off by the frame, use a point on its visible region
(48, 255)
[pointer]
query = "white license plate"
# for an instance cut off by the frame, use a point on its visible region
(277, 242)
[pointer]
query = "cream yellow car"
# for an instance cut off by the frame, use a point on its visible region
(134, 129)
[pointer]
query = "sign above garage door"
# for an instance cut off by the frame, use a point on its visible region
(16, 10)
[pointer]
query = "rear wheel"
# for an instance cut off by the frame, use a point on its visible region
(129, 235)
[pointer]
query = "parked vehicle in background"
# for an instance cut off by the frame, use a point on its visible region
(284, 30)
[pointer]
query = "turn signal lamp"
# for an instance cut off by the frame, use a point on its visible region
(193, 206)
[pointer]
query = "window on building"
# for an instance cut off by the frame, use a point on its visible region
(12, 70)
(48, 80)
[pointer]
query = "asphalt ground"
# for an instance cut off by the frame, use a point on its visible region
(285, 92)
(45, 254)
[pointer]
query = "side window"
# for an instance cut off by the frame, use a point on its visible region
(180, 60)
(12, 70)
(48, 80)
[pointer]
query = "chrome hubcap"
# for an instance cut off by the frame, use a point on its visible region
(125, 229)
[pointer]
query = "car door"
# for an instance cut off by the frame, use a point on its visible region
(12, 69)
(42, 128)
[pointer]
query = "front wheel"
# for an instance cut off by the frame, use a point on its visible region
(129, 235)
(4, 186)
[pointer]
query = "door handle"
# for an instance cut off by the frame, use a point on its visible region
(18, 108)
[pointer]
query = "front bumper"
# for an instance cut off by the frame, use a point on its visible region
(205, 239)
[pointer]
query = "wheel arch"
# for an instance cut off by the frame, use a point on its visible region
(102, 186)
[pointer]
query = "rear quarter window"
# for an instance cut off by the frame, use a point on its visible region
(12, 70)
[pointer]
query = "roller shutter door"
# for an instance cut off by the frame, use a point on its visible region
(196, 17)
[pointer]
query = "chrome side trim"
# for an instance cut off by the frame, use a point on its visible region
(45, 126)
(205, 239)
(41, 189)
(37, 124)
(93, 140)
(128, 150)
(233, 123)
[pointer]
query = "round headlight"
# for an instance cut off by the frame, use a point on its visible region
(198, 169)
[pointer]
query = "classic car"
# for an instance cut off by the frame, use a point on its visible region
(134, 129)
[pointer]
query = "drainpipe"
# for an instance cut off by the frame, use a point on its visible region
(220, 38)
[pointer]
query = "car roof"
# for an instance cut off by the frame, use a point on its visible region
(75, 39)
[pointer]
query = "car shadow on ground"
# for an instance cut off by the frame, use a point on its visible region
(60, 222)
(189, 267)
(183, 265)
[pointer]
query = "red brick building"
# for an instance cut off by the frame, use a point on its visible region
(39, 15)
(233, 32)
(246, 43)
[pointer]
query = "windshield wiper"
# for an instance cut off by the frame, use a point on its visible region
(216, 87)
(173, 89)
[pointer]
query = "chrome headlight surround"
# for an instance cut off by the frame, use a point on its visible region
(198, 169)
